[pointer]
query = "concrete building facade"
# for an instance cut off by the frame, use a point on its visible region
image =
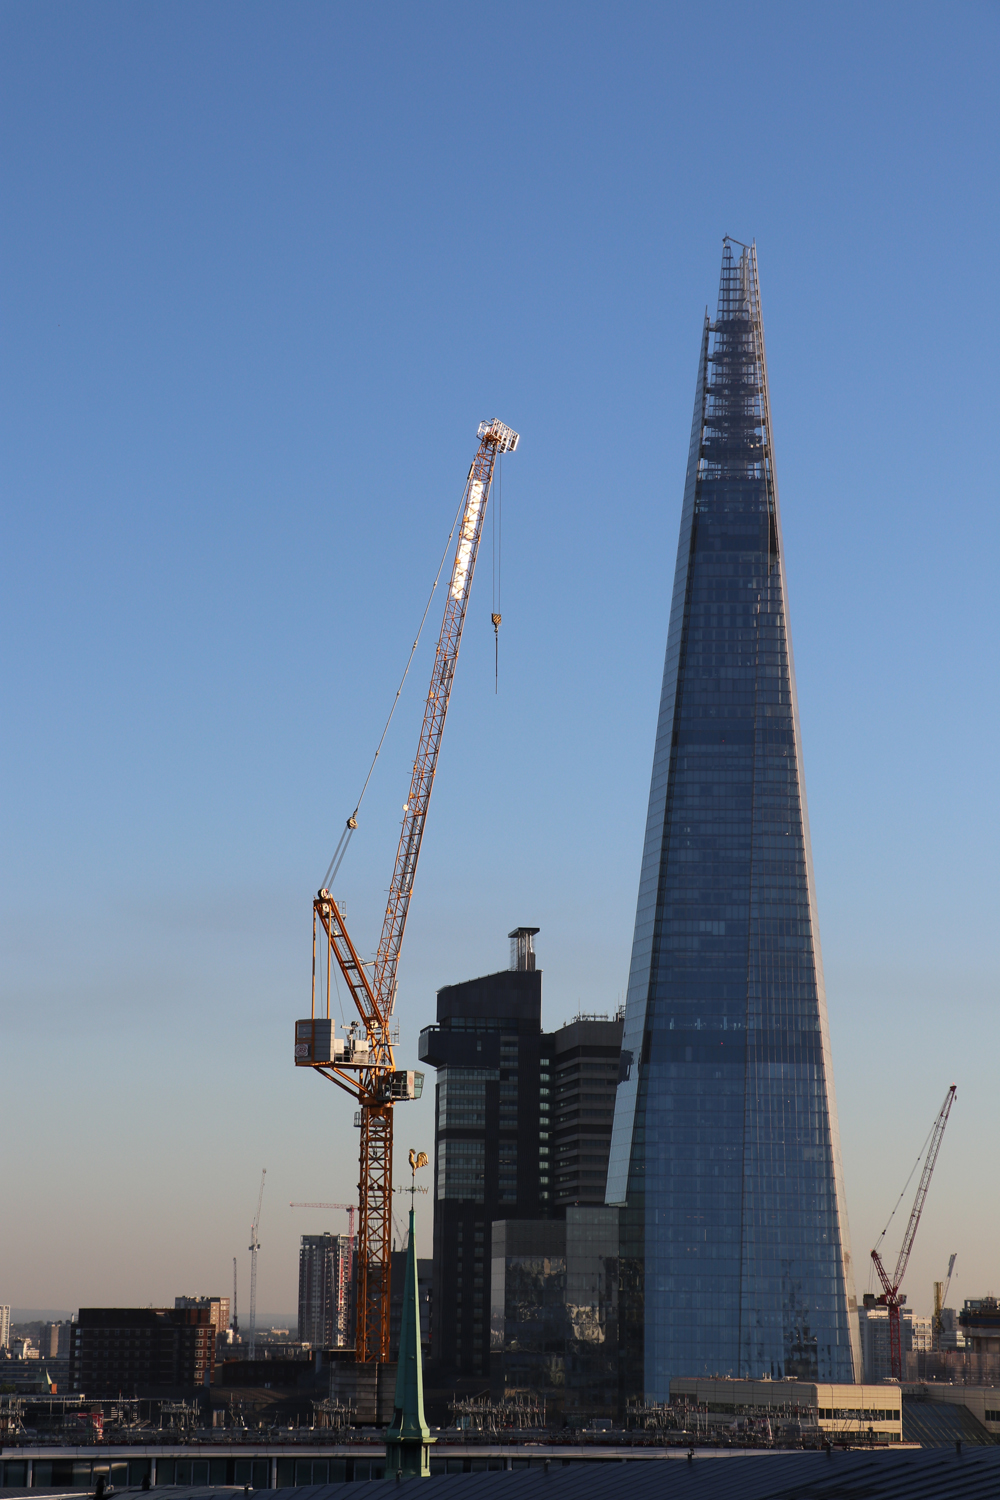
(54, 1340)
(874, 1330)
(327, 1271)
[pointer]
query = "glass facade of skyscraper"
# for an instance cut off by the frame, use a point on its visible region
(725, 1152)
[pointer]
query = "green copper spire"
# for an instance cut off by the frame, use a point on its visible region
(407, 1443)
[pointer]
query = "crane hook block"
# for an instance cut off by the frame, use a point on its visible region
(496, 621)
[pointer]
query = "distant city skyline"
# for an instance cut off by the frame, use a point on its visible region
(259, 298)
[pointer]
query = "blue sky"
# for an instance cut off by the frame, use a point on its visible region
(265, 268)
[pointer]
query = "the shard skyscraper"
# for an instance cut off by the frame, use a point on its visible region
(726, 1153)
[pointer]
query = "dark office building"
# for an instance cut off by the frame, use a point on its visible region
(493, 1140)
(326, 1290)
(585, 1057)
(735, 1250)
(135, 1351)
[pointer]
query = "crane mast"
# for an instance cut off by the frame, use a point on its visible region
(363, 1064)
(254, 1248)
(890, 1297)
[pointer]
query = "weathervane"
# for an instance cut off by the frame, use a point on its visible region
(417, 1159)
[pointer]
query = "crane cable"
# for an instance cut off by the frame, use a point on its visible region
(352, 822)
(899, 1200)
(497, 560)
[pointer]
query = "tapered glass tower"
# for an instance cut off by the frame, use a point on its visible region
(726, 1153)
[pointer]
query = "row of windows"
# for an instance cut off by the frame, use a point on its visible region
(856, 1414)
(479, 1023)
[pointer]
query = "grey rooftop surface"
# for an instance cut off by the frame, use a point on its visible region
(910, 1474)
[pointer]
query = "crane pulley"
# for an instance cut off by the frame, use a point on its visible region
(890, 1297)
(363, 1063)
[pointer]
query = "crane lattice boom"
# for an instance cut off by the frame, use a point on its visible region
(890, 1297)
(350, 1208)
(930, 1159)
(366, 1068)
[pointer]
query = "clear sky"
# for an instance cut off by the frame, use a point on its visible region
(265, 267)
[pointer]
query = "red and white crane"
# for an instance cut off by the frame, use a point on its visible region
(363, 1063)
(890, 1296)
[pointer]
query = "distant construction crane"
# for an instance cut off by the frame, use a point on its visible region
(350, 1207)
(941, 1290)
(254, 1248)
(363, 1063)
(890, 1297)
(235, 1320)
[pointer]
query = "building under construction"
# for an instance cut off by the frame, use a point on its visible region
(327, 1281)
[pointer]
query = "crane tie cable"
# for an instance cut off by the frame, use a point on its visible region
(906, 1184)
(496, 616)
(352, 822)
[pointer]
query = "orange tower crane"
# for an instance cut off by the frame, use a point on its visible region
(890, 1296)
(362, 1063)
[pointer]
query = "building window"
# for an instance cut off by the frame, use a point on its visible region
(461, 1169)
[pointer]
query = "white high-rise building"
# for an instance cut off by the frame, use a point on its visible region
(4, 1327)
(326, 1290)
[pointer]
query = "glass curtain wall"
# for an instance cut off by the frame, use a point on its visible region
(725, 1153)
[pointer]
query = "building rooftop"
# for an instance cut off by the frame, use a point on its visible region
(916, 1474)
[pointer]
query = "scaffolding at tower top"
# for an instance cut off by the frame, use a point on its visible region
(735, 441)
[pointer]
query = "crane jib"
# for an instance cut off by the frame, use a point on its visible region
(890, 1297)
(435, 711)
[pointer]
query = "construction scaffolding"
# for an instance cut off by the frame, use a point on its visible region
(749, 1422)
(11, 1417)
(519, 1411)
(333, 1414)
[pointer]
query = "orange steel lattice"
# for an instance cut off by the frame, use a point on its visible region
(369, 1074)
(375, 1237)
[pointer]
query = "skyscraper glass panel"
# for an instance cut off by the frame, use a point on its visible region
(725, 1153)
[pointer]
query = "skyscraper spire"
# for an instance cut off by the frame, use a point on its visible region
(726, 1153)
